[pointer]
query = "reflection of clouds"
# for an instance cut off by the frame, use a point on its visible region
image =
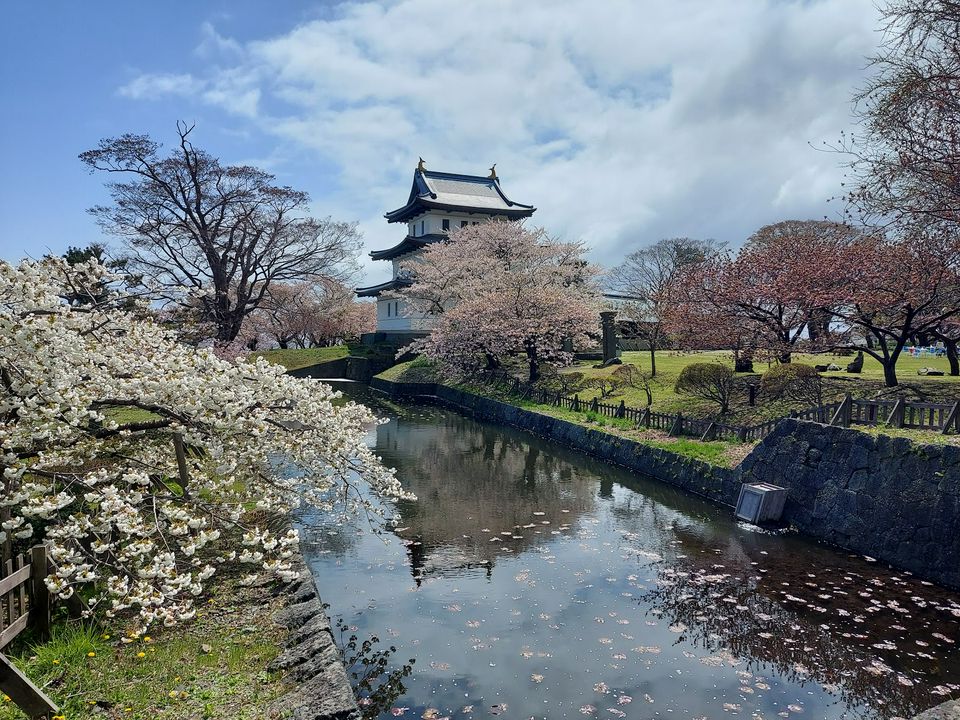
(481, 493)
(649, 592)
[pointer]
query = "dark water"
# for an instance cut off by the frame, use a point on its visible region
(531, 581)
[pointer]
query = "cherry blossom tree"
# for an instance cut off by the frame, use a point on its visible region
(211, 235)
(498, 289)
(891, 290)
(310, 314)
(778, 284)
(138, 511)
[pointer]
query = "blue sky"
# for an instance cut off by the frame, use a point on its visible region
(623, 122)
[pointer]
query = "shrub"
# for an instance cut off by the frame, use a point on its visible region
(632, 376)
(707, 381)
(797, 382)
(606, 385)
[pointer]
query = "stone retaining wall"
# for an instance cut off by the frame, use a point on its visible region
(884, 497)
(879, 496)
(947, 711)
(714, 483)
(351, 367)
(312, 659)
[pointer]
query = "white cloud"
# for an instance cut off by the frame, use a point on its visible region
(157, 85)
(622, 121)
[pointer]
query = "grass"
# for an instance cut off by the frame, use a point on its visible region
(213, 667)
(669, 364)
(296, 358)
(868, 384)
(716, 452)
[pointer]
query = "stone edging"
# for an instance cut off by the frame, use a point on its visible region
(883, 497)
(311, 658)
(948, 711)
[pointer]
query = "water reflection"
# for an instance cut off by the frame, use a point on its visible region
(455, 526)
(530, 581)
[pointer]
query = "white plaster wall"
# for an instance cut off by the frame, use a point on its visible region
(432, 222)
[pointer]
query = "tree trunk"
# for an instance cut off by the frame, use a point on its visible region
(282, 343)
(534, 364)
(784, 358)
(653, 360)
(952, 356)
(889, 372)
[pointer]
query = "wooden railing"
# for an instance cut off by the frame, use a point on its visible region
(24, 604)
(942, 417)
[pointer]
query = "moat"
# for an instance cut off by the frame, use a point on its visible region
(532, 581)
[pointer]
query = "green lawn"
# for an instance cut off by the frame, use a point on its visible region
(212, 667)
(296, 358)
(866, 384)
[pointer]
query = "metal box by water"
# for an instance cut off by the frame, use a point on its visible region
(760, 502)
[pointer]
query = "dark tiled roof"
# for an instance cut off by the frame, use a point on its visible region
(408, 244)
(374, 290)
(457, 193)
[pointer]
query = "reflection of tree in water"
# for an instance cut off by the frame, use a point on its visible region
(478, 489)
(884, 641)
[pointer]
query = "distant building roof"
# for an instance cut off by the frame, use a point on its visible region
(374, 290)
(408, 244)
(457, 193)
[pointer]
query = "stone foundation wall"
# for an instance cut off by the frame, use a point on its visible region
(879, 496)
(322, 690)
(714, 483)
(884, 497)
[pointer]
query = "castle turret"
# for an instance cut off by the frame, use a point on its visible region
(438, 203)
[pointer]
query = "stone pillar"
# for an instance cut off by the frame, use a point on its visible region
(611, 350)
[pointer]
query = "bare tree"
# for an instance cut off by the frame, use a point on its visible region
(904, 164)
(197, 228)
(647, 274)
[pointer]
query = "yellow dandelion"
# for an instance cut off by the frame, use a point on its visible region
(147, 638)
(55, 662)
(106, 636)
(141, 654)
(172, 693)
(91, 654)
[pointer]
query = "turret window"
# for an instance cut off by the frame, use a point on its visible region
(463, 223)
(421, 227)
(446, 224)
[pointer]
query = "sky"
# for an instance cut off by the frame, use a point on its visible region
(623, 122)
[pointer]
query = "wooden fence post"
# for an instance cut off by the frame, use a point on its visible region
(896, 414)
(27, 696)
(181, 452)
(742, 433)
(709, 432)
(677, 428)
(39, 594)
(842, 416)
(594, 405)
(622, 410)
(646, 418)
(953, 418)
(576, 403)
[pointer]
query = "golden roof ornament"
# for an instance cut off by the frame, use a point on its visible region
(493, 172)
(421, 166)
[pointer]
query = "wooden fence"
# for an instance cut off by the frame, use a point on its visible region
(24, 603)
(942, 417)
